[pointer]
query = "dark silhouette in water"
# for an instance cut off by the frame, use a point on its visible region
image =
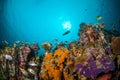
(67, 32)
(112, 32)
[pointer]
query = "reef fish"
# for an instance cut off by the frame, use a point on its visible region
(55, 39)
(17, 41)
(32, 64)
(99, 18)
(6, 42)
(31, 71)
(67, 32)
(8, 57)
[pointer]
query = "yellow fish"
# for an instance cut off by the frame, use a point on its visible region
(99, 18)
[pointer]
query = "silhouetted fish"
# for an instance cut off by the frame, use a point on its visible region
(66, 41)
(67, 32)
(55, 39)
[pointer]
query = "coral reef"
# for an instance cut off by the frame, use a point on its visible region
(85, 58)
(91, 57)
(20, 61)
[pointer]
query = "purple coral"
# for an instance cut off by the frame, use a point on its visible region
(92, 70)
(97, 61)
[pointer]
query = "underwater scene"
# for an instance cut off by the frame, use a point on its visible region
(59, 40)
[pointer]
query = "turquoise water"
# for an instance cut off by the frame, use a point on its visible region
(44, 20)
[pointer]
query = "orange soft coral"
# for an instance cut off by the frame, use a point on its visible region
(44, 73)
(62, 58)
(44, 76)
(47, 66)
(50, 71)
(58, 52)
(48, 57)
(57, 74)
(62, 53)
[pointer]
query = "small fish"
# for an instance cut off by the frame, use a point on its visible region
(66, 41)
(99, 18)
(6, 42)
(17, 41)
(31, 71)
(55, 39)
(67, 32)
(32, 64)
(102, 25)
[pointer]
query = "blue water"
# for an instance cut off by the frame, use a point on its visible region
(43, 20)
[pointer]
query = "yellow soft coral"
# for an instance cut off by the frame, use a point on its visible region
(44, 76)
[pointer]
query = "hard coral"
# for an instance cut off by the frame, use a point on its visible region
(115, 45)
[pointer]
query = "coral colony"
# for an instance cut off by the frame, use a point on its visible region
(92, 57)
